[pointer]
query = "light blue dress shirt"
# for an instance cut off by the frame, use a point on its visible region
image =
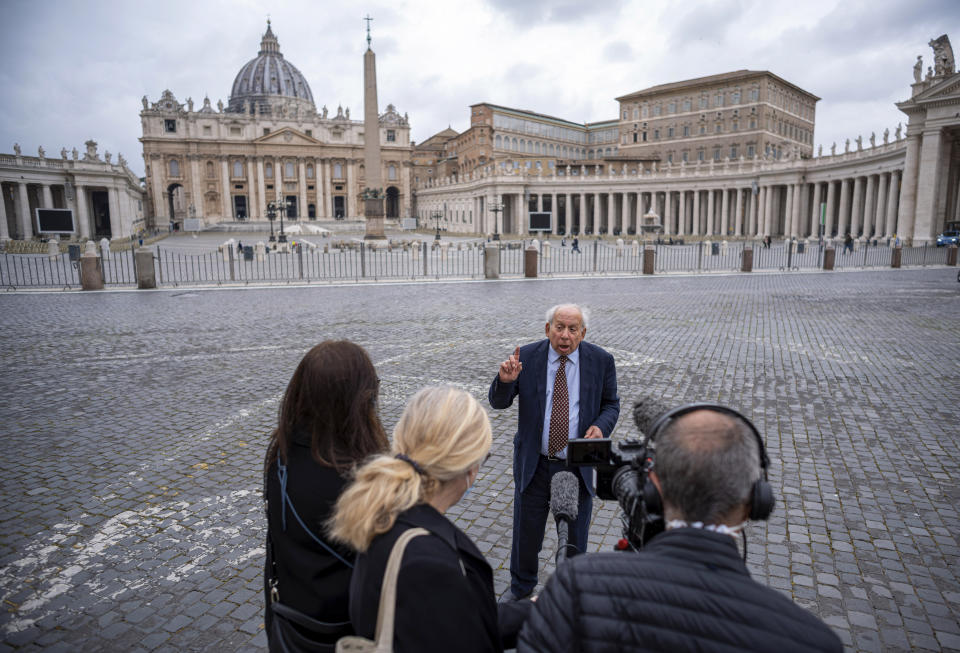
(573, 397)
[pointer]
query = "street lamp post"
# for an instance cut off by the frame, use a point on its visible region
(282, 206)
(496, 208)
(271, 216)
(437, 216)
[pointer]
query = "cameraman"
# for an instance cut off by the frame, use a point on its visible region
(688, 589)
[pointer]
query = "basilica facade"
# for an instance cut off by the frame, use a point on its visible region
(269, 142)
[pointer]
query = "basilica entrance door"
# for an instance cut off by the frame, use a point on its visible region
(240, 206)
(393, 202)
(292, 209)
(339, 207)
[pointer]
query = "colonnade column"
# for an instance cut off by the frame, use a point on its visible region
(681, 212)
(908, 192)
(831, 209)
(349, 172)
(753, 200)
(327, 189)
(225, 202)
(625, 213)
(870, 208)
(708, 227)
(695, 227)
(856, 213)
(892, 204)
(47, 197)
(567, 213)
(815, 213)
(876, 194)
(196, 189)
(725, 213)
(788, 218)
(318, 186)
(116, 224)
(4, 229)
(554, 213)
(738, 213)
(843, 221)
(83, 216)
(667, 213)
(932, 168)
(26, 224)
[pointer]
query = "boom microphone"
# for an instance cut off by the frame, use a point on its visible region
(564, 498)
(646, 410)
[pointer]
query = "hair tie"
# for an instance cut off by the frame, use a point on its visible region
(405, 458)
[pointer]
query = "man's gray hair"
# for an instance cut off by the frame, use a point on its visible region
(707, 472)
(584, 313)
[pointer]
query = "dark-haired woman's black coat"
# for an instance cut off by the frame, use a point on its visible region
(310, 579)
(445, 599)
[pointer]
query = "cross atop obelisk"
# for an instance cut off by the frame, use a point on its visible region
(373, 192)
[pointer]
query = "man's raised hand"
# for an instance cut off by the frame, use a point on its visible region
(510, 368)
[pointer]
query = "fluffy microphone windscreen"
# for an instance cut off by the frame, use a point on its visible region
(646, 410)
(564, 495)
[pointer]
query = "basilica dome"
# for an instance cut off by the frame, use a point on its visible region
(270, 83)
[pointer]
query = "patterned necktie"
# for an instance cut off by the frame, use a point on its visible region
(560, 413)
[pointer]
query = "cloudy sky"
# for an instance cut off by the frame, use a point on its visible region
(76, 70)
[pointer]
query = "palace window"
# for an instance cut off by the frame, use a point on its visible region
(716, 154)
(672, 107)
(170, 126)
(174, 168)
(700, 155)
(656, 134)
(234, 131)
(391, 135)
(210, 171)
(268, 171)
(733, 152)
(754, 94)
(644, 112)
(624, 114)
(718, 100)
(751, 151)
(498, 142)
(288, 170)
(310, 172)
(670, 132)
(736, 125)
(656, 110)
(703, 129)
(636, 113)
(686, 130)
(685, 157)
(266, 130)
(310, 133)
(237, 169)
(718, 128)
(338, 171)
(687, 105)
(392, 172)
(735, 97)
(703, 102)
(207, 130)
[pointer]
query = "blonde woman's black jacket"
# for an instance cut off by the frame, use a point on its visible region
(445, 599)
(688, 590)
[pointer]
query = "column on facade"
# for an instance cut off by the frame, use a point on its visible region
(768, 211)
(26, 224)
(318, 186)
(667, 213)
(350, 173)
(225, 203)
(196, 187)
(709, 227)
(328, 188)
(583, 212)
(695, 222)
(788, 211)
(929, 178)
(625, 213)
(724, 212)
(554, 214)
(870, 208)
(681, 212)
(261, 190)
(738, 212)
(892, 204)
(302, 211)
(815, 212)
(567, 213)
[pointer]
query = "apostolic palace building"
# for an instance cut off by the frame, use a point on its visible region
(727, 155)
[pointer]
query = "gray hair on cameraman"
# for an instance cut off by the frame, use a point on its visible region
(584, 313)
(707, 465)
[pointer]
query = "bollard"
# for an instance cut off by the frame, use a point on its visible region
(896, 257)
(91, 276)
(723, 247)
(146, 273)
(530, 262)
(105, 248)
(636, 248)
(649, 258)
(260, 250)
(491, 262)
(747, 264)
(952, 255)
(619, 247)
(546, 249)
(829, 257)
(53, 249)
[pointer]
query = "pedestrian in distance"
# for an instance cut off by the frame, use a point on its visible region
(847, 243)
(328, 424)
(567, 389)
(576, 246)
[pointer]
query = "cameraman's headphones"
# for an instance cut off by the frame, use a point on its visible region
(761, 495)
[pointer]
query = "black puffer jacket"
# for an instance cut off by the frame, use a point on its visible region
(687, 591)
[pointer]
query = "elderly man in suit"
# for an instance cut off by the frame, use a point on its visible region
(567, 390)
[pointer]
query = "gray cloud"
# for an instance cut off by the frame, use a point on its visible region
(617, 52)
(529, 13)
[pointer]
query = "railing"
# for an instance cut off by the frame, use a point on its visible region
(425, 261)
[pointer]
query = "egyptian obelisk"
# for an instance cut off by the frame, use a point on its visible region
(373, 190)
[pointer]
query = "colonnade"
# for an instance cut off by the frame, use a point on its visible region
(17, 194)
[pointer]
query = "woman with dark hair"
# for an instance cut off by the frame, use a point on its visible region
(327, 425)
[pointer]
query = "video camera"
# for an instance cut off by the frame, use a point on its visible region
(622, 474)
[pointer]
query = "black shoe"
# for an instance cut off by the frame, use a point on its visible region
(510, 597)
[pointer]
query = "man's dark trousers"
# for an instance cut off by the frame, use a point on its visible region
(530, 509)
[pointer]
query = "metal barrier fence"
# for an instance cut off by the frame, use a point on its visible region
(363, 263)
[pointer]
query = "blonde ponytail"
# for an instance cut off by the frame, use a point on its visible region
(443, 432)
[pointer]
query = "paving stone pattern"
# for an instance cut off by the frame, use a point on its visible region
(134, 426)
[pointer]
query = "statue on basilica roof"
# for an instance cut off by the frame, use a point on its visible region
(942, 55)
(41, 152)
(16, 149)
(918, 69)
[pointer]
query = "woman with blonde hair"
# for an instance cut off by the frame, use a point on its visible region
(445, 599)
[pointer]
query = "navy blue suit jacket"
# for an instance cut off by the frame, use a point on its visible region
(599, 403)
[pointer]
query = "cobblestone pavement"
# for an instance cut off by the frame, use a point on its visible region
(134, 425)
